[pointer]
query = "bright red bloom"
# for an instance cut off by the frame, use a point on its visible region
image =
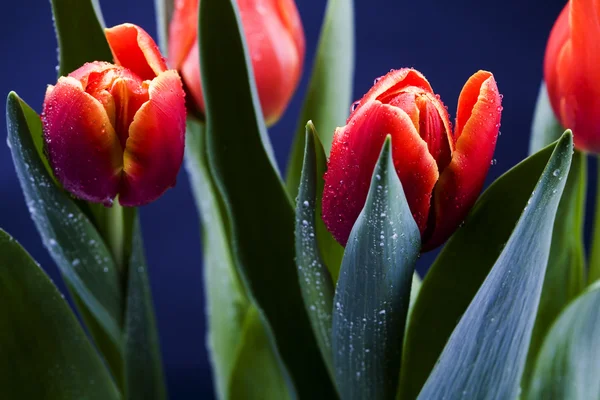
(117, 129)
(572, 74)
(442, 173)
(275, 39)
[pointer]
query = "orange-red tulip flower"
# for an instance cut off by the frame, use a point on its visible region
(572, 73)
(117, 128)
(275, 39)
(441, 172)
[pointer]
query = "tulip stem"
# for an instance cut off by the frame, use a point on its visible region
(594, 270)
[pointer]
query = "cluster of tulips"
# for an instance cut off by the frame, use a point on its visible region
(311, 289)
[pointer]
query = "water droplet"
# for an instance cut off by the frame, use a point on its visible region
(556, 172)
(105, 269)
(305, 203)
(75, 262)
(493, 162)
(382, 312)
(304, 222)
(355, 106)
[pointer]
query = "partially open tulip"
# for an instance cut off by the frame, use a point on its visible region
(117, 128)
(441, 172)
(572, 73)
(275, 39)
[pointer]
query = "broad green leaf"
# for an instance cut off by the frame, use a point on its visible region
(565, 273)
(79, 30)
(315, 280)
(164, 12)
(227, 303)
(258, 208)
(462, 266)
(545, 128)
(373, 292)
(143, 368)
(486, 353)
(568, 365)
(256, 365)
(329, 94)
(73, 242)
(45, 353)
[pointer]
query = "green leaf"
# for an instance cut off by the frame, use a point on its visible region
(565, 273)
(545, 128)
(143, 368)
(373, 292)
(73, 242)
(79, 30)
(258, 208)
(315, 280)
(462, 266)
(227, 303)
(330, 91)
(594, 266)
(568, 365)
(486, 353)
(164, 12)
(45, 353)
(256, 365)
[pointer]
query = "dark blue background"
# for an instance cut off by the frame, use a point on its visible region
(446, 40)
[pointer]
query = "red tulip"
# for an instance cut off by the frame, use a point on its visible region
(572, 74)
(275, 40)
(117, 129)
(442, 173)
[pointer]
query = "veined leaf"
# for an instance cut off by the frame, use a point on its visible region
(258, 208)
(462, 266)
(256, 374)
(373, 292)
(565, 273)
(71, 239)
(315, 280)
(568, 364)
(143, 368)
(329, 95)
(45, 353)
(227, 303)
(486, 353)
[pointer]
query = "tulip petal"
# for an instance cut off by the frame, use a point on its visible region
(391, 84)
(135, 50)
(82, 146)
(183, 31)
(477, 125)
(154, 149)
(190, 72)
(354, 153)
(277, 59)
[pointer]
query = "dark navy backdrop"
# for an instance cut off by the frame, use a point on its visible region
(446, 40)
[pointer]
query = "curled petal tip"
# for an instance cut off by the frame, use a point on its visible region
(135, 50)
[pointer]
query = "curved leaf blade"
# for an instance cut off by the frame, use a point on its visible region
(79, 31)
(247, 381)
(315, 280)
(565, 273)
(45, 353)
(330, 91)
(71, 239)
(486, 353)
(462, 266)
(568, 364)
(258, 207)
(227, 303)
(143, 367)
(163, 12)
(373, 292)
(545, 127)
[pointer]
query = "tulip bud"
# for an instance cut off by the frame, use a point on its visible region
(442, 173)
(117, 129)
(571, 72)
(275, 40)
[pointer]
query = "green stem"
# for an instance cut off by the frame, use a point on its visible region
(594, 271)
